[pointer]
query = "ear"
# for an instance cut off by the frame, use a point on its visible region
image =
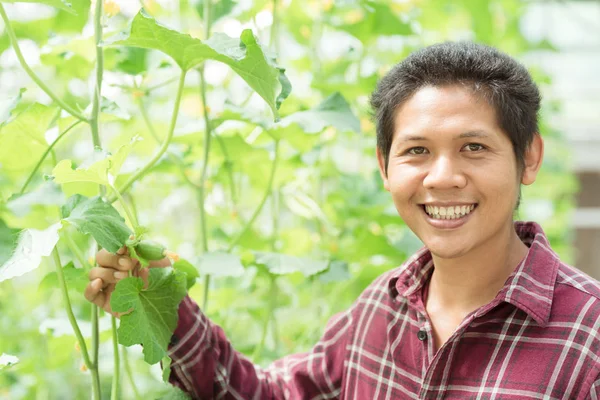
(381, 163)
(533, 160)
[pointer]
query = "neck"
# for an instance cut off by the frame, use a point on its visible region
(461, 285)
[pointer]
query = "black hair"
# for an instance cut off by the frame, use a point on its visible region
(489, 73)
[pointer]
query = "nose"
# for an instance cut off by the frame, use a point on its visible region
(444, 173)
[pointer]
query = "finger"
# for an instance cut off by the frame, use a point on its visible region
(120, 262)
(122, 251)
(94, 294)
(107, 294)
(108, 275)
(165, 262)
(144, 273)
(92, 290)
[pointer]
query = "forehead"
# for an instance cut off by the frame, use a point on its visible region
(445, 109)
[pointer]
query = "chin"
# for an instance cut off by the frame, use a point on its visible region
(446, 250)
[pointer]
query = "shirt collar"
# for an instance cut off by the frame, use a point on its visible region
(530, 287)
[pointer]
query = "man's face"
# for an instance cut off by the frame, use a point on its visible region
(449, 152)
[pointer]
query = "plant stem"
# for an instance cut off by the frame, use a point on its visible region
(130, 373)
(159, 85)
(84, 352)
(262, 203)
(207, 137)
(43, 157)
(130, 216)
(99, 72)
(207, 142)
(165, 144)
(76, 252)
(152, 131)
(114, 393)
(95, 340)
(32, 75)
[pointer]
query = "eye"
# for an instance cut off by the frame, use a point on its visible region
(416, 150)
(475, 147)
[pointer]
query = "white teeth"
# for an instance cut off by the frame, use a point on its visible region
(449, 212)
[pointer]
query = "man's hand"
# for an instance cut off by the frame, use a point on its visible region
(111, 269)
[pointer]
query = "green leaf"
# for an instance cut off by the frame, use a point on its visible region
(166, 368)
(190, 271)
(378, 19)
(221, 264)
(74, 19)
(337, 272)
(25, 135)
(6, 360)
(218, 10)
(103, 169)
(8, 241)
(47, 194)
(96, 217)
(132, 60)
(245, 56)
(333, 111)
(60, 4)
(32, 245)
(282, 264)
(109, 107)
(154, 315)
(174, 393)
(76, 278)
(8, 105)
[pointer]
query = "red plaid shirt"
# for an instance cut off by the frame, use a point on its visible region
(538, 339)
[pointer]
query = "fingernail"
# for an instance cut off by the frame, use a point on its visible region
(123, 262)
(120, 275)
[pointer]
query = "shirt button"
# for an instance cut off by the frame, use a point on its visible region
(422, 335)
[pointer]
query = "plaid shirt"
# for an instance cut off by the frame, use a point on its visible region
(538, 339)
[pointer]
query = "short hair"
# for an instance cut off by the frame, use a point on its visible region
(491, 74)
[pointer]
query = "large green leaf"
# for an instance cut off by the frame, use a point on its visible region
(74, 19)
(60, 4)
(245, 56)
(8, 239)
(33, 244)
(98, 218)
(221, 264)
(333, 111)
(154, 315)
(46, 194)
(8, 105)
(281, 264)
(25, 135)
(75, 278)
(103, 169)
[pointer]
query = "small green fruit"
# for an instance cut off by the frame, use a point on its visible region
(150, 250)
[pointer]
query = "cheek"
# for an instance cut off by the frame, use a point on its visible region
(403, 182)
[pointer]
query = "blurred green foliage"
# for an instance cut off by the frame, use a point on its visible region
(327, 210)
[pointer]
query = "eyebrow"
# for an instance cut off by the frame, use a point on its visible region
(469, 134)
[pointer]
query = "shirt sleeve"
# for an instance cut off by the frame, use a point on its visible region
(595, 390)
(205, 365)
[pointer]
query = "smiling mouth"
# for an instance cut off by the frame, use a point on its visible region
(448, 213)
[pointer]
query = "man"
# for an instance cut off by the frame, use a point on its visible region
(486, 310)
